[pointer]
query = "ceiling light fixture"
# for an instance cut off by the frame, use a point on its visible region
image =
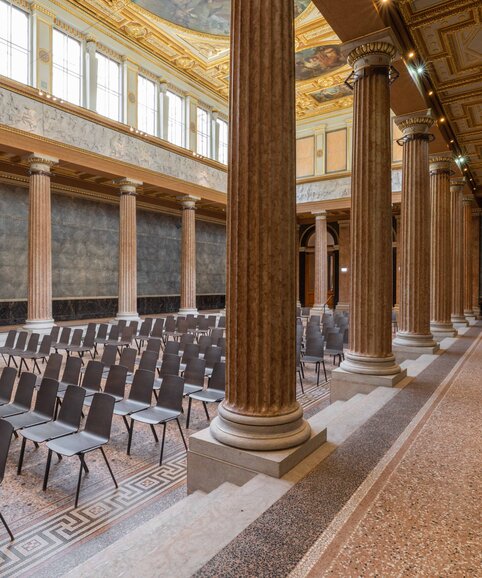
(430, 92)
(420, 69)
(411, 54)
(442, 119)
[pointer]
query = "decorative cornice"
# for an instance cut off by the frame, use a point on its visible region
(35, 7)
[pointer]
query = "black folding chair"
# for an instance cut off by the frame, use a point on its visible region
(214, 393)
(23, 396)
(6, 431)
(7, 381)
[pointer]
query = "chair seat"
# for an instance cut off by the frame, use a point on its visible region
(128, 406)
(47, 431)
(311, 359)
(76, 443)
(155, 415)
(31, 355)
(88, 400)
(11, 409)
(27, 419)
(188, 389)
(334, 351)
(208, 395)
(78, 348)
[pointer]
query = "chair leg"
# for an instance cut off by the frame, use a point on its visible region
(182, 435)
(108, 467)
(324, 371)
(188, 412)
(206, 411)
(47, 470)
(20, 459)
(84, 466)
(129, 442)
(162, 443)
(12, 537)
(318, 374)
(36, 365)
(153, 430)
(124, 419)
(81, 457)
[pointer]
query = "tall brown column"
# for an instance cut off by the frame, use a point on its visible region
(413, 333)
(127, 305)
(468, 202)
(260, 411)
(321, 263)
(297, 265)
(188, 257)
(39, 315)
(456, 193)
(344, 265)
(441, 248)
(370, 348)
(476, 214)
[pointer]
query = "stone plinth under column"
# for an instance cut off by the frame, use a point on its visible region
(345, 384)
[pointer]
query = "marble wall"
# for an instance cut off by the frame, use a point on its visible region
(85, 258)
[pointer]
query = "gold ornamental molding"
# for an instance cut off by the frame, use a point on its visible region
(369, 49)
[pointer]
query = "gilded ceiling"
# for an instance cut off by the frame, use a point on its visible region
(193, 36)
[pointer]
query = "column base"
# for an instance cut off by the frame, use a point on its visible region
(260, 433)
(210, 463)
(133, 316)
(440, 331)
(318, 310)
(39, 325)
(414, 343)
(469, 315)
(188, 311)
(345, 384)
(458, 321)
(342, 307)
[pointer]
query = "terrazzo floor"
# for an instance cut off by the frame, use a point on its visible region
(401, 497)
(51, 536)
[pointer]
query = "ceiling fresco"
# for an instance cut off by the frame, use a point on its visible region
(193, 37)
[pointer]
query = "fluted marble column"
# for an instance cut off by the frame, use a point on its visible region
(188, 257)
(456, 193)
(441, 248)
(39, 315)
(370, 348)
(127, 304)
(321, 263)
(413, 333)
(398, 261)
(476, 214)
(260, 411)
(297, 265)
(468, 203)
(344, 265)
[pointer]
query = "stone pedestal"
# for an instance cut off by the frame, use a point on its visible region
(369, 356)
(468, 203)
(39, 316)
(127, 305)
(344, 266)
(456, 192)
(321, 263)
(413, 334)
(188, 257)
(441, 248)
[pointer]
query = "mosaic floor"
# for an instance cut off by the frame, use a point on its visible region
(51, 536)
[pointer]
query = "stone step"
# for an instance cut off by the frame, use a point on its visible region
(356, 412)
(133, 553)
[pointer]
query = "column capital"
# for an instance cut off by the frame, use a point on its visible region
(370, 52)
(440, 163)
(128, 186)
(415, 125)
(40, 164)
(189, 202)
(457, 185)
(319, 215)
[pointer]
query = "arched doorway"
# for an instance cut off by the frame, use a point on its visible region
(308, 248)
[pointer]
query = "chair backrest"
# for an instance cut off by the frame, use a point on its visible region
(148, 360)
(134, 325)
(21, 340)
(218, 377)
(115, 332)
(190, 350)
(212, 321)
(312, 329)
(121, 323)
(345, 337)
(71, 373)
(45, 345)
(9, 342)
(71, 409)
(315, 320)
(128, 358)
(149, 321)
(171, 392)
(102, 331)
(305, 311)
(32, 343)
(6, 431)
(172, 347)
(54, 333)
(216, 334)
(154, 345)
(186, 338)
(115, 384)
(65, 335)
(314, 346)
(25, 389)
(191, 321)
(170, 324)
(91, 327)
(205, 341)
(76, 337)
(7, 380)
(222, 345)
(89, 338)
(212, 356)
(109, 355)
(158, 329)
(47, 397)
(203, 323)
(328, 320)
(222, 321)
(334, 341)
(127, 334)
(142, 384)
(99, 420)
(194, 372)
(93, 375)
(170, 364)
(54, 363)
(145, 329)
(181, 325)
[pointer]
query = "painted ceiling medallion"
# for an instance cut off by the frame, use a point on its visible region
(206, 16)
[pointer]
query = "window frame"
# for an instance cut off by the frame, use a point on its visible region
(108, 90)
(66, 71)
(203, 136)
(17, 47)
